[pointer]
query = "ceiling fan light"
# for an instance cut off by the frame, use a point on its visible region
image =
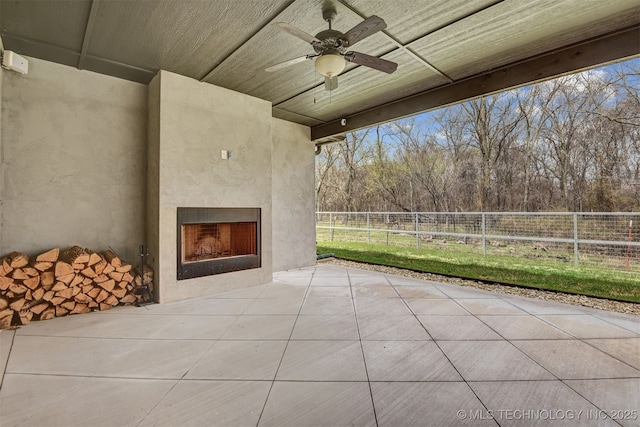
(330, 65)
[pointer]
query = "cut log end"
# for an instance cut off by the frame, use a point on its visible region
(18, 259)
(49, 256)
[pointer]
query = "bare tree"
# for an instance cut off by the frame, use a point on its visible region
(325, 162)
(427, 164)
(386, 176)
(490, 125)
(614, 124)
(534, 109)
(566, 159)
(353, 153)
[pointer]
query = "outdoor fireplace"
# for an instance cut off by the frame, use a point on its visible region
(217, 240)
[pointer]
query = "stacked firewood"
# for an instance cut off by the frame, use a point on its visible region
(57, 283)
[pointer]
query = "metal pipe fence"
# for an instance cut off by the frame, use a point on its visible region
(604, 239)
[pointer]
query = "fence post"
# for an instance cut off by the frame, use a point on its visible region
(575, 238)
(417, 231)
(368, 228)
(331, 226)
(629, 245)
(484, 235)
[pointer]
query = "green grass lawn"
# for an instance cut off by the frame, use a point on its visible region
(548, 275)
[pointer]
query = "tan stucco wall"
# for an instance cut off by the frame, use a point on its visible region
(74, 147)
(197, 121)
(293, 161)
(74, 160)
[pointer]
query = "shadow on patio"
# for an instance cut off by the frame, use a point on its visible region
(327, 345)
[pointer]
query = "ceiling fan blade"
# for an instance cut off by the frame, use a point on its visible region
(371, 62)
(369, 26)
(297, 32)
(285, 64)
(331, 83)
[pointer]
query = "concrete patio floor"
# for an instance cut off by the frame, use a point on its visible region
(327, 346)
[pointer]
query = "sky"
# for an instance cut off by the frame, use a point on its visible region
(429, 125)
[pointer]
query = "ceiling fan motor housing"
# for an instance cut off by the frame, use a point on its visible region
(330, 40)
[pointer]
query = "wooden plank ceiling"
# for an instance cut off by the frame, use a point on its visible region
(447, 50)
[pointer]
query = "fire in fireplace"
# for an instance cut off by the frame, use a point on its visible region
(209, 241)
(217, 240)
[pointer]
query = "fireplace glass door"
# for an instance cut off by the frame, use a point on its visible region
(217, 240)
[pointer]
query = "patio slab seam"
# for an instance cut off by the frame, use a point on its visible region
(364, 358)
(284, 352)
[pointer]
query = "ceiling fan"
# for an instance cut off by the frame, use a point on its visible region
(331, 46)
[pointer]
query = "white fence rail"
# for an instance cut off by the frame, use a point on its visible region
(607, 239)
